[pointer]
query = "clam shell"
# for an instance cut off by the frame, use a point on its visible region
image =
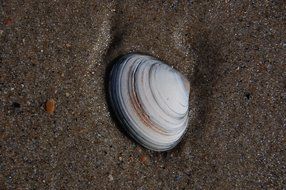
(151, 100)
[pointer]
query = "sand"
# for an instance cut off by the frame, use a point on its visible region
(233, 52)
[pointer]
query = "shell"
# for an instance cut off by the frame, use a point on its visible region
(151, 100)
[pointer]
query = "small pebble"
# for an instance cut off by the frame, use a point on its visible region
(144, 159)
(130, 159)
(7, 21)
(68, 45)
(138, 149)
(16, 105)
(67, 94)
(110, 177)
(178, 177)
(50, 106)
(247, 95)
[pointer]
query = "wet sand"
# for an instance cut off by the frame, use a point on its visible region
(233, 52)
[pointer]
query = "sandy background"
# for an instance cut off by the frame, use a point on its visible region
(233, 52)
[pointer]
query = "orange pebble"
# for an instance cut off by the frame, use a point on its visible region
(144, 159)
(50, 106)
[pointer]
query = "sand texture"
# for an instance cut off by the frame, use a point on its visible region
(56, 127)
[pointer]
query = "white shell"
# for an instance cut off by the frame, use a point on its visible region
(151, 100)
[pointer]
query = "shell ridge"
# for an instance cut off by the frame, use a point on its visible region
(160, 96)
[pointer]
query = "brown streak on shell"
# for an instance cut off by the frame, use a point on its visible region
(136, 104)
(138, 109)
